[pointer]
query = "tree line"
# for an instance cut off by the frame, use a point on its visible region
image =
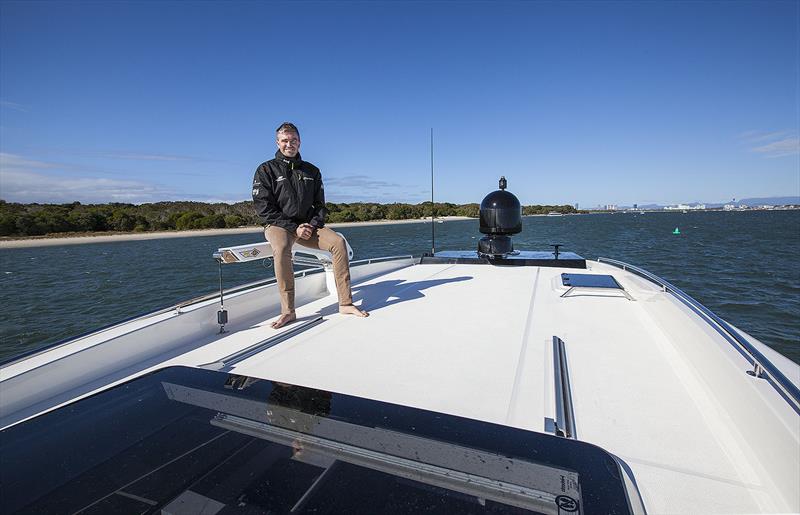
(40, 219)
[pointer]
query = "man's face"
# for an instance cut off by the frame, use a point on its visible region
(288, 143)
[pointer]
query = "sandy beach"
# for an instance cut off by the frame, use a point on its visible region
(45, 241)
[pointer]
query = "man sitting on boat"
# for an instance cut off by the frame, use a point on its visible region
(290, 201)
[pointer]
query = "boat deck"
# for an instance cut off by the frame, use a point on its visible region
(651, 382)
(490, 358)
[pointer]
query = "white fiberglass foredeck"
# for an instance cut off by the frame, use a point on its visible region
(650, 381)
(475, 341)
(457, 358)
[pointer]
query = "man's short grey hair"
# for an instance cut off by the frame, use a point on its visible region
(287, 127)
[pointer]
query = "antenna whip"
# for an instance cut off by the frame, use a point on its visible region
(433, 221)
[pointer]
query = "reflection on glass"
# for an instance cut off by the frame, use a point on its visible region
(186, 440)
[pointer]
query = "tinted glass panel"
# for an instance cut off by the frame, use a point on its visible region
(589, 281)
(184, 440)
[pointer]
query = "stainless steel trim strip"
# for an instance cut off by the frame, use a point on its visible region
(263, 345)
(762, 366)
(379, 260)
(501, 491)
(565, 414)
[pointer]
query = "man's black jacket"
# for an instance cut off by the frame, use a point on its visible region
(288, 192)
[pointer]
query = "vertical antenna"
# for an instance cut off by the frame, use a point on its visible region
(433, 221)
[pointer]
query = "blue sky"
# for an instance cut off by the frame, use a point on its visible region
(579, 102)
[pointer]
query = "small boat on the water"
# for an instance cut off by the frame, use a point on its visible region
(554, 213)
(488, 380)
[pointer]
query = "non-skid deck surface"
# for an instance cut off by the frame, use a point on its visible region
(484, 352)
(406, 353)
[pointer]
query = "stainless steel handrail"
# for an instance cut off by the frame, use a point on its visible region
(565, 413)
(762, 366)
(379, 260)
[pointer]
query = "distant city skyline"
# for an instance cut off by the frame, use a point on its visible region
(591, 103)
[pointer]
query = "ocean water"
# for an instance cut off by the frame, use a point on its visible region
(743, 266)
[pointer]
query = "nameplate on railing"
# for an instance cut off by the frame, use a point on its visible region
(262, 250)
(242, 253)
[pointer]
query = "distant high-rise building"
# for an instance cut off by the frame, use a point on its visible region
(636, 206)
(576, 206)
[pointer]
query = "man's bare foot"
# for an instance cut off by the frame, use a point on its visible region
(352, 310)
(283, 320)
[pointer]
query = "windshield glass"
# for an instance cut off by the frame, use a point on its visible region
(185, 440)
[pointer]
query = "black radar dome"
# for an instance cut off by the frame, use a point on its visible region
(501, 212)
(501, 216)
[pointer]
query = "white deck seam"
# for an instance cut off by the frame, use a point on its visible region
(688, 472)
(512, 403)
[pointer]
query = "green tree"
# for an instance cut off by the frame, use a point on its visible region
(29, 225)
(122, 220)
(87, 220)
(187, 220)
(234, 221)
(8, 224)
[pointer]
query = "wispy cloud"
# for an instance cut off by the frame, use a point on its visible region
(143, 157)
(121, 155)
(756, 136)
(8, 161)
(772, 144)
(362, 188)
(780, 148)
(13, 105)
(359, 182)
(26, 186)
(30, 180)
(184, 165)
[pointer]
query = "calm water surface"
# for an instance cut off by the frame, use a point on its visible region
(743, 266)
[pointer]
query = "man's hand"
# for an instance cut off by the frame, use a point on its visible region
(304, 231)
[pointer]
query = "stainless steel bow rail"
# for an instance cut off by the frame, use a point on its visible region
(762, 366)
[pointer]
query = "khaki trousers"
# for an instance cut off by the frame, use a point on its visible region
(282, 240)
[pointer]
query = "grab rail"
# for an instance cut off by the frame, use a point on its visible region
(565, 413)
(379, 260)
(261, 346)
(762, 366)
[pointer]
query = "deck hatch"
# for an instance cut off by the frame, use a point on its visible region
(589, 281)
(592, 282)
